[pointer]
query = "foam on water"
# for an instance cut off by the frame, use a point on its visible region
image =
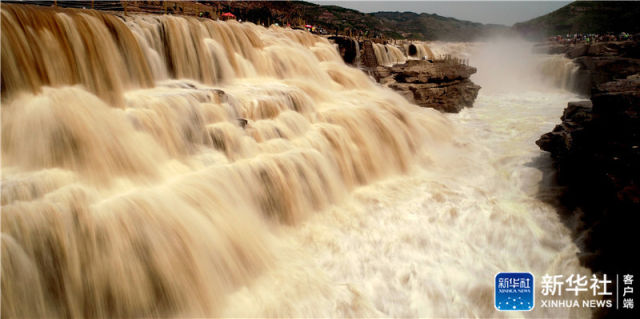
(429, 244)
(172, 166)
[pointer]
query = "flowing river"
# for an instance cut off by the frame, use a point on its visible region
(169, 166)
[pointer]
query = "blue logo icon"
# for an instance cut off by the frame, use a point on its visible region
(514, 291)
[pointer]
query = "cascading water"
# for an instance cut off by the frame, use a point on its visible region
(429, 244)
(388, 54)
(170, 166)
(418, 50)
(560, 70)
(129, 185)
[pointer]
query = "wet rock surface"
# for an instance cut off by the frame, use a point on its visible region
(440, 85)
(596, 152)
(347, 47)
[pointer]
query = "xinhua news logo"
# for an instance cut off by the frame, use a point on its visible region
(514, 291)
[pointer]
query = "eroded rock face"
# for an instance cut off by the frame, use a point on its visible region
(601, 69)
(347, 47)
(440, 85)
(559, 142)
(596, 151)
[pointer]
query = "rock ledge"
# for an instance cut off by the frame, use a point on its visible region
(442, 85)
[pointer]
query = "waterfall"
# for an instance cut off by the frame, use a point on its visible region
(167, 166)
(418, 50)
(388, 54)
(147, 159)
(560, 71)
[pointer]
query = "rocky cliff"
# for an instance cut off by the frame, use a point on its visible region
(596, 151)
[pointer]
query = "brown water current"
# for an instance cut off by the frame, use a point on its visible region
(171, 166)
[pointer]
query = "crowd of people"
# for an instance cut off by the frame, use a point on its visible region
(591, 37)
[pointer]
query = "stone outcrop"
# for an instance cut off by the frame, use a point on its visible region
(560, 142)
(596, 151)
(441, 85)
(596, 70)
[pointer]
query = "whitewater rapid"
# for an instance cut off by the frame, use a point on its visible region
(429, 243)
(171, 166)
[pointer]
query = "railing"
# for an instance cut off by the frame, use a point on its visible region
(449, 59)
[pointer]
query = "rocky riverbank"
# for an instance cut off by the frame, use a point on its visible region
(596, 152)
